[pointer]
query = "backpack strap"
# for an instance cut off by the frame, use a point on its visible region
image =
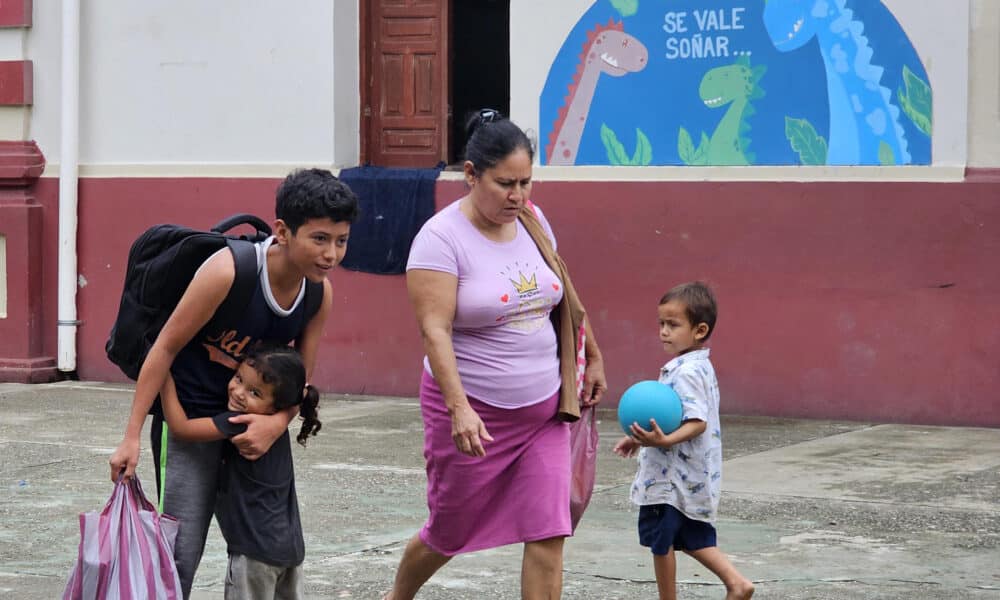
(245, 262)
(261, 229)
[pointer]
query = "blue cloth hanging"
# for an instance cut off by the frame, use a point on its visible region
(394, 204)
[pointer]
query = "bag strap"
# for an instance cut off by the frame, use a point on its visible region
(533, 225)
(569, 319)
(245, 262)
(262, 229)
(244, 281)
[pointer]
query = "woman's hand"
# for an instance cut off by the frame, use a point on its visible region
(468, 431)
(262, 431)
(594, 382)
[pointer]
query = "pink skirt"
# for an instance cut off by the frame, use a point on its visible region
(518, 492)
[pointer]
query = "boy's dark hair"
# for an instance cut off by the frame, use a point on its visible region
(699, 304)
(282, 368)
(492, 138)
(314, 194)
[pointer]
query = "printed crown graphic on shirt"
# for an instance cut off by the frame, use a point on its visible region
(525, 285)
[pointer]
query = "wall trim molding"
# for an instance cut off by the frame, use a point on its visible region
(982, 175)
(16, 83)
(583, 174)
(15, 13)
(21, 163)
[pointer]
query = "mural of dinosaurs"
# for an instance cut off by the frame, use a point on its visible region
(735, 85)
(864, 121)
(608, 50)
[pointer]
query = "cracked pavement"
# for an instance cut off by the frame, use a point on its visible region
(810, 509)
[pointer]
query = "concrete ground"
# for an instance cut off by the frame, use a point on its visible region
(811, 509)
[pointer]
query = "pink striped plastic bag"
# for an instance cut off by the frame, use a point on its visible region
(126, 550)
(583, 440)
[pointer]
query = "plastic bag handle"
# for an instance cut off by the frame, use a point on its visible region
(133, 487)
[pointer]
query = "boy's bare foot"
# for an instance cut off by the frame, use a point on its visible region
(741, 590)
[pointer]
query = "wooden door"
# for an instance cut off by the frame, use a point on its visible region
(404, 58)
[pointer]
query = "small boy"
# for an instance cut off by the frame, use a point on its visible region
(678, 482)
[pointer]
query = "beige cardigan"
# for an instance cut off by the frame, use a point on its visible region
(568, 318)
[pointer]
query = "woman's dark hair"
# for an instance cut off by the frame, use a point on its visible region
(699, 304)
(492, 138)
(281, 367)
(314, 194)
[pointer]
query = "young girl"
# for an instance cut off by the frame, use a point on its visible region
(257, 508)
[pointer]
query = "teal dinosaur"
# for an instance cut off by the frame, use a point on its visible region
(864, 121)
(738, 86)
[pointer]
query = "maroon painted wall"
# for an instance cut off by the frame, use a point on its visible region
(870, 301)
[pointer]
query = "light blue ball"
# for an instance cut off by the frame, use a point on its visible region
(650, 400)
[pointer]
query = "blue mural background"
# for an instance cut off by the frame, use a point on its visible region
(663, 97)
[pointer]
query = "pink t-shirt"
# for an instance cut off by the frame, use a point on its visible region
(503, 338)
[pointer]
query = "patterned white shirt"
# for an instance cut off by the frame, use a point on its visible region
(688, 475)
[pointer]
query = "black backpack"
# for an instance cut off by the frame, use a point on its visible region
(161, 264)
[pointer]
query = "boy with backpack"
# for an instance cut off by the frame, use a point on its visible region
(314, 211)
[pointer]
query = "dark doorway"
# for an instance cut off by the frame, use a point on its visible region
(480, 64)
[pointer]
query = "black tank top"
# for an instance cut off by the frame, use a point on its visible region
(203, 368)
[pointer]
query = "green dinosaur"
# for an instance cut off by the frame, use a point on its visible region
(736, 85)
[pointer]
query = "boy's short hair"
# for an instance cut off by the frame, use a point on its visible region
(314, 194)
(699, 303)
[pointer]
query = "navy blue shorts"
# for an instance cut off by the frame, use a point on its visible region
(662, 526)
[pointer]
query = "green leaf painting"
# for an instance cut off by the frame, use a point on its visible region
(917, 101)
(810, 146)
(886, 157)
(685, 147)
(643, 150)
(701, 154)
(688, 153)
(617, 156)
(627, 8)
(614, 148)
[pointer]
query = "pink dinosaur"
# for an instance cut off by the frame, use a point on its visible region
(608, 50)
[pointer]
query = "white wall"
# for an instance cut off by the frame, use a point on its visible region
(984, 85)
(347, 82)
(199, 84)
(938, 28)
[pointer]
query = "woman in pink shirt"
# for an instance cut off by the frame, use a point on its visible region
(498, 462)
